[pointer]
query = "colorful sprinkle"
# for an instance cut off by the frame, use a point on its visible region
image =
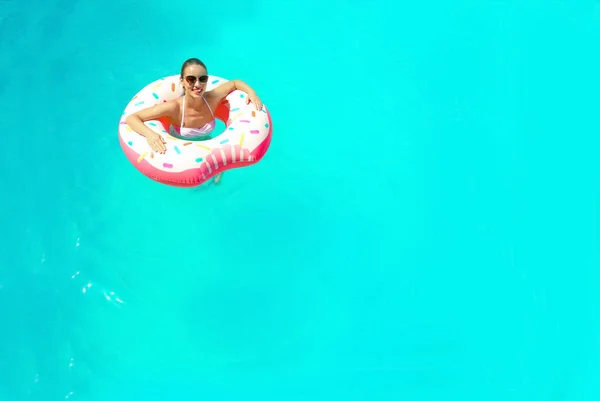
(128, 128)
(157, 86)
(266, 125)
(236, 109)
(215, 81)
(203, 147)
(173, 87)
(142, 157)
(130, 143)
(198, 160)
(242, 139)
(253, 113)
(152, 124)
(122, 123)
(177, 150)
(244, 121)
(224, 141)
(167, 165)
(155, 95)
(187, 143)
(139, 103)
(264, 110)
(230, 128)
(254, 131)
(241, 95)
(152, 155)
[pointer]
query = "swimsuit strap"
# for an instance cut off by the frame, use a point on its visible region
(183, 111)
(209, 109)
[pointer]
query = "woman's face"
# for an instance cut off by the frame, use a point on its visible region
(194, 79)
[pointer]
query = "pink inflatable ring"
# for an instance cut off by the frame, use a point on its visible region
(189, 163)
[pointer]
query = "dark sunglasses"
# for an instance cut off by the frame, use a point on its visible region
(192, 79)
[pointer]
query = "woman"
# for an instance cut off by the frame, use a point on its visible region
(190, 116)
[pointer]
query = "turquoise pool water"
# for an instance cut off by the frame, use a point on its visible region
(423, 227)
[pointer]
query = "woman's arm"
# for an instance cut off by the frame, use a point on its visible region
(137, 119)
(221, 91)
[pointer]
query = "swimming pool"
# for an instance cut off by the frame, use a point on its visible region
(423, 227)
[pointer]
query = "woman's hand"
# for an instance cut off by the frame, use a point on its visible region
(137, 119)
(252, 97)
(156, 142)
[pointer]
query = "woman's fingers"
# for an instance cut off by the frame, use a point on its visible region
(158, 146)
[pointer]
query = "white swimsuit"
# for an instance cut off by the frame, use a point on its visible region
(194, 132)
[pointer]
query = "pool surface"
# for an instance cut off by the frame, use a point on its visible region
(424, 225)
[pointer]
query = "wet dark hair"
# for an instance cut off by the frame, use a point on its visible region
(192, 61)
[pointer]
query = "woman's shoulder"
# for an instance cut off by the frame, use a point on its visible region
(172, 104)
(166, 109)
(175, 103)
(172, 107)
(212, 98)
